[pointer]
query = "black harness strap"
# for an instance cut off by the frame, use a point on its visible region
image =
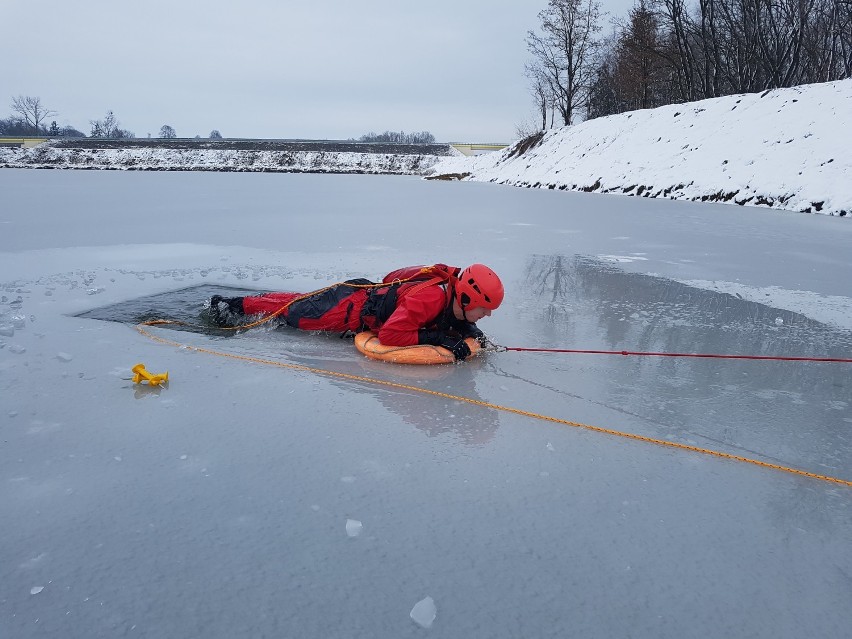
(381, 303)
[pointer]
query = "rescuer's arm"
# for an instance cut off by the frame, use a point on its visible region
(412, 313)
(453, 343)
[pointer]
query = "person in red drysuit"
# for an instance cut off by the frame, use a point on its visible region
(437, 305)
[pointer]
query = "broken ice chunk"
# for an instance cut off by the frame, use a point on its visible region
(36, 589)
(424, 612)
(353, 527)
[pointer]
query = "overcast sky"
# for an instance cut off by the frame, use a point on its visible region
(323, 69)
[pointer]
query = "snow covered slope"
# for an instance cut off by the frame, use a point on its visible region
(787, 149)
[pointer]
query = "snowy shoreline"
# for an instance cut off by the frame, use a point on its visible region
(48, 156)
(782, 149)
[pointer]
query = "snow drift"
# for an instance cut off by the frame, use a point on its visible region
(786, 149)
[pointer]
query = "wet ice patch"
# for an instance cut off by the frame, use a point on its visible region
(424, 612)
(185, 305)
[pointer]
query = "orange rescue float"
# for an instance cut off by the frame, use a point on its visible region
(368, 344)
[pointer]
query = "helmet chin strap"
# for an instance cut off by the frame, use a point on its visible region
(454, 301)
(461, 307)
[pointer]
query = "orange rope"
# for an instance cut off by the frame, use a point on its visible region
(516, 411)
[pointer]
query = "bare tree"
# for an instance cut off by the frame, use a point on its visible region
(604, 98)
(421, 137)
(215, 135)
(108, 128)
(71, 132)
(672, 52)
(167, 132)
(540, 91)
(564, 52)
(678, 47)
(844, 40)
(737, 46)
(14, 126)
(32, 111)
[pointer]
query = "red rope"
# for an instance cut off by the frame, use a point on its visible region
(704, 355)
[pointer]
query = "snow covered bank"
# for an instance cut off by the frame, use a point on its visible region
(786, 149)
(49, 156)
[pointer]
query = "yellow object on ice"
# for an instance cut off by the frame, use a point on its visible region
(141, 374)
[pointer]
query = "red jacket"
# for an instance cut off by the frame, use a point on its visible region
(414, 311)
(417, 306)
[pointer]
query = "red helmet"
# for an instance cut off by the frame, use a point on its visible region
(479, 286)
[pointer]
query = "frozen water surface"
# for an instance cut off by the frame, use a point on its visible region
(216, 507)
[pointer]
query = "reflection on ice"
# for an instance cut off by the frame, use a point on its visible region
(787, 411)
(642, 312)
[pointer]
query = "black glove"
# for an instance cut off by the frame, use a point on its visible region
(456, 345)
(469, 329)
